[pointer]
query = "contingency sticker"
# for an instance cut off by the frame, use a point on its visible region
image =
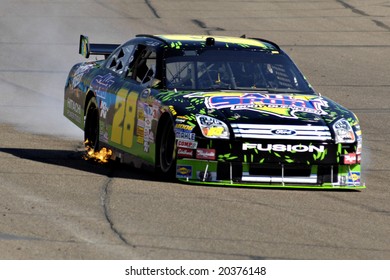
(184, 171)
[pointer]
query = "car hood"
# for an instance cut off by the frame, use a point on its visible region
(260, 107)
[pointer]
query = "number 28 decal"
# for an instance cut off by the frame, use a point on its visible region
(123, 124)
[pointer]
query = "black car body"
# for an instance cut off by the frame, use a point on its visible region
(213, 110)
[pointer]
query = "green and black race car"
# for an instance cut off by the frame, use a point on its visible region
(213, 110)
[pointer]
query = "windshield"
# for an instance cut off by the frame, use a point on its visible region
(229, 69)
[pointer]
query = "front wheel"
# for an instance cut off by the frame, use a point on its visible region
(166, 152)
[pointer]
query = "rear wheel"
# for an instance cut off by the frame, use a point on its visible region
(167, 151)
(91, 129)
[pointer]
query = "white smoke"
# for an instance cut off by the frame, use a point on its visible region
(38, 46)
(33, 71)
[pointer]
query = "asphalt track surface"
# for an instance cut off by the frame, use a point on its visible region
(55, 205)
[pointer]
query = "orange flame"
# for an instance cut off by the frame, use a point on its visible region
(101, 156)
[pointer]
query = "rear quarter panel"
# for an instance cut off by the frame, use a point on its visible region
(75, 93)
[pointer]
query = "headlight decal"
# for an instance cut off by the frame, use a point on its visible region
(343, 132)
(212, 127)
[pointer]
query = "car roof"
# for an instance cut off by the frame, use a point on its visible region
(179, 41)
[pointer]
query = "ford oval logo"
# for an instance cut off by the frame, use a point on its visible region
(283, 132)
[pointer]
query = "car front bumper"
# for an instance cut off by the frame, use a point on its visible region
(240, 174)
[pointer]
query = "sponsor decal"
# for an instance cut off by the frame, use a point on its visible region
(214, 131)
(103, 109)
(156, 112)
(359, 146)
(187, 144)
(208, 154)
(140, 139)
(287, 132)
(183, 152)
(284, 106)
(71, 115)
(101, 84)
(354, 177)
(140, 112)
(350, 159)
(172, 109)
(148, 110)
(181, 119)
(103, 81)
(283, 148)
(140, 123)
(145, 94)
(73, 111)
(184, 127)
(183, 135)
(73, 106)
(78, 75)
(145, 118)
(183, 171)
(151, 136)
(140, 131)
(146, 134)
(148, 122)
(140, 135)
(146, 147)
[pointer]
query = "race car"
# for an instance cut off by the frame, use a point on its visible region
(231, 111)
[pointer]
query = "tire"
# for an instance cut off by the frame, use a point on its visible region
(166, 152)
(91, 128)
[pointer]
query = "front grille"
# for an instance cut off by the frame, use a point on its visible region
(288, 132)
(286, 170)
(277, 173)
(280, 174)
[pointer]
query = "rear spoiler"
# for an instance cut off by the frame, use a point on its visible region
(86, 49)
